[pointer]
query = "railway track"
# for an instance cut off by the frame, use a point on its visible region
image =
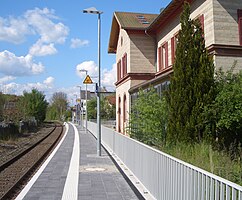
(20, 168)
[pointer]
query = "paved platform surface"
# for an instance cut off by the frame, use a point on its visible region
(99, 179)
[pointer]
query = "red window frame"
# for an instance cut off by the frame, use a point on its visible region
(173, 50)
(159, 59)
(240, 25)
(124, 108)
(174, 40)
(124, 64)
(201, 19)
(119, 70)
(164, 63)
(119, 114)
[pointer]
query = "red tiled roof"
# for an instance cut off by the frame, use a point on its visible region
(127, 21)
(111, 100)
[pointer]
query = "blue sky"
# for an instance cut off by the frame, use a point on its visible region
(43, 43)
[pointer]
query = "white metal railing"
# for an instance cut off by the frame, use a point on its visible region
(164, 176)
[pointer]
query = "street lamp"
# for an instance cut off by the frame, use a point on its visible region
(81, 113)
(93, 10)
(83, 70)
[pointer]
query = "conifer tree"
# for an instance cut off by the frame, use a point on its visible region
(192, 82)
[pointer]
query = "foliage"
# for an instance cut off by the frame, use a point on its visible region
(33, 104)
(2, 101)
(107, 111)
(58, 106)
(192, 83)
(204, 156)
(199, 106)
(68, 114)
(226, 111)
(148, 119)
(92, 108)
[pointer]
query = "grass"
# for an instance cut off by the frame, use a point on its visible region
(204, 156)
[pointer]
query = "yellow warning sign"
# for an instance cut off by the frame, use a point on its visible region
(88, 80)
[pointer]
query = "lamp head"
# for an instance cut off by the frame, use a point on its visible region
(82, 70)
(92, 10)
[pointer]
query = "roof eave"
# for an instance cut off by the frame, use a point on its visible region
(165, 14)
(115, 28)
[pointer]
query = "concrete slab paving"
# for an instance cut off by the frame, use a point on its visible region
(99, 178)
(50, 183)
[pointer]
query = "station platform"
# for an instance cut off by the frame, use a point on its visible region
(74, 171)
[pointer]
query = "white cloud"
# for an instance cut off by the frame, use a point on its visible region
(15, 88)
(6, 79)
(40, 49)
(109, 77)
(49, 82)
(12, 65)
(36, 21)
(49, 31)
(90, 66)
(14, 30)
(76, 43)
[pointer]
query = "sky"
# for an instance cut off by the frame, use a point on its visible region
(44, 43)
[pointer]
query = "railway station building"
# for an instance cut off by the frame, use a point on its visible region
(145, 46)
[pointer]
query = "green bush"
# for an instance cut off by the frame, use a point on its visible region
(225, 113)
(148, 119)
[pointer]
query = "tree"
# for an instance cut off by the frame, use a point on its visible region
(192, 82)
(92, 108)
(2, 101)
(226, 111)
(33, 104)
(109, 107)
(58, 106)
(148, 119)
(107, 111)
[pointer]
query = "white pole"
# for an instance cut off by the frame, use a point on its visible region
(86, 105)
(98, 92)
(95, 11)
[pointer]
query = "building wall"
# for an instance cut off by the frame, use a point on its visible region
(140, 50)
(226, 21)
(142, 54)
(123, 47)
(220, 27)
(227, 31)
(122, 91)
(226, 62)
(198, 8)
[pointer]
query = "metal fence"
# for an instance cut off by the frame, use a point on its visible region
(164, 176)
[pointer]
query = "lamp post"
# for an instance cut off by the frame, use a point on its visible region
(95, 11)
(81, 113)
(83, 70)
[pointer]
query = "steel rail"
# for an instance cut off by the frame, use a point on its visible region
(7, 194)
